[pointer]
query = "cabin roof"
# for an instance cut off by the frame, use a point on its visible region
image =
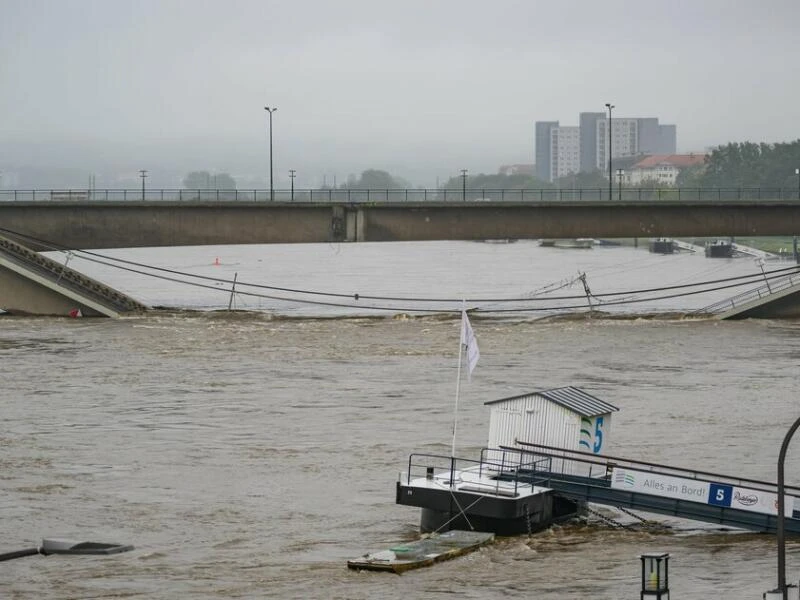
(575, 399)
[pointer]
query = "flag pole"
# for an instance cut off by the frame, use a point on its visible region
(458, 380)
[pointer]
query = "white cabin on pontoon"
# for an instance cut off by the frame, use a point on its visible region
(565, 417)
(505, 491)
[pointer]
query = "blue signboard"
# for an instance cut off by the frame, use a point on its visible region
(720, 495)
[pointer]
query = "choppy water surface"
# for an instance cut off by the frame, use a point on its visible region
(249, 456)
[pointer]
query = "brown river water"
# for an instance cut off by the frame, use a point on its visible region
(249, 455)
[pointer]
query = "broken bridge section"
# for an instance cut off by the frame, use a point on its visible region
(779, 298)
(32, 284)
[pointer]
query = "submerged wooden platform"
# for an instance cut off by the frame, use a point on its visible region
(422, 553)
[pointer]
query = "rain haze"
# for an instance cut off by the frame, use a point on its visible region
(421, 89)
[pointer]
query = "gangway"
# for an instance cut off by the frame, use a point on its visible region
(655, 488)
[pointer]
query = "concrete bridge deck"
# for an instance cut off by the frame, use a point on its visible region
(100, 224)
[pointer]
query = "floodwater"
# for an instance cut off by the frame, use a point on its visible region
(250, 454)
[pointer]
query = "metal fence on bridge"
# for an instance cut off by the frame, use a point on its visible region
(355, 196)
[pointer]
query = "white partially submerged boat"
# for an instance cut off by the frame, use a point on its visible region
(584, 243)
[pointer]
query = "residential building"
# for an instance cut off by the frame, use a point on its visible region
(630, 137)
(655, 138)
(661, 168)
(624, 140)
(542, 152)
(565, 152)
(588, 126)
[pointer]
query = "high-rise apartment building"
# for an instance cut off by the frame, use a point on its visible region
(624, 140)
(565, 151)
(555, 145)
(543, 152)
(588, 126)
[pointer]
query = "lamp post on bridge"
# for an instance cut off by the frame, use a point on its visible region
(463, 184)
(292, 176)
(609, 106)
(143, 175)
(620, 174)
(797, 172)
(270, 110)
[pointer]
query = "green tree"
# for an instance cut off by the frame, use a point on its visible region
(197, 180)
(748, 164)
(582, 181)
(223, 181)
(493, 186)
(691, 176)
(374, 179)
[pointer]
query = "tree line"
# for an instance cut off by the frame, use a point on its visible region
(734, 165)
(747, 164)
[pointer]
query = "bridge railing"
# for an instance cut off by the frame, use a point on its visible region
(354, 196)
(773, 285)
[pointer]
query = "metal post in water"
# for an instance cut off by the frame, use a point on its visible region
(760, 263)
(586, 290)
(233, 290)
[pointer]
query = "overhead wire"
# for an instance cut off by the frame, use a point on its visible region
(173, 276)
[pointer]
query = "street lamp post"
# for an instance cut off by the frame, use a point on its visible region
(270, 110)
(609, 106)
(463, 184)
(781, 591)
(143, 175)
(797, 172)
(291, 176)
(620, 173)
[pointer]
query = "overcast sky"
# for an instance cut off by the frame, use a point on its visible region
(422, 88)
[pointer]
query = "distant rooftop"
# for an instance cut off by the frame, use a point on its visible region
(680, 161)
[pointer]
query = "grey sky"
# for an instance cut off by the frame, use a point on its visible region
(420, 88)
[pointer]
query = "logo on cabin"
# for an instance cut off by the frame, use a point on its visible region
(624, 478)
(586, 434)
(591, 434)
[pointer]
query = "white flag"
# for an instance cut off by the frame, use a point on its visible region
(468, 339)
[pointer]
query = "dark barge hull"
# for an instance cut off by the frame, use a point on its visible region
(501, 515)
(662, 246)
(719, 251)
